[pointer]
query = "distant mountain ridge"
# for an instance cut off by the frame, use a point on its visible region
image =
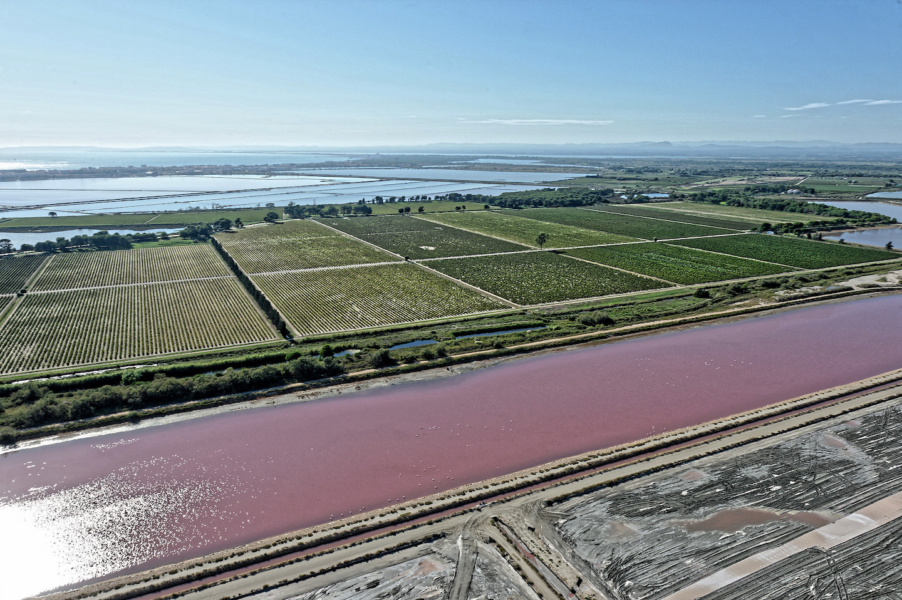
(699, 149)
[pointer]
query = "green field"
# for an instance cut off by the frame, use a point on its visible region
(391, 208)
(145, 221)
(541, 277)
(370, 296)
(676, 263)
(296, 245)
(61, 329)
(796, 252)
(606, 221)
(177, 219)
(86, 221)
(753, 215)
(845, 185)
(15, 271)
(417, 238)
(138, 265)
(513, 228)
(645, 210)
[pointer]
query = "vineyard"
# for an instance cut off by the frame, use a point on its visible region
(59, 329)
(676, 263)
(357, 297)
(634, 227)
(541, 277)
(14, 272)
(513, 228)
(672, 215)
(139, 265)
(296, 245)
(795, 252)
(753, 215)
(416, 239)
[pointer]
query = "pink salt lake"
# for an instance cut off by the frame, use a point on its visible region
(92, 507)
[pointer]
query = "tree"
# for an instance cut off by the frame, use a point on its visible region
(541, 239)
(238, 223)
(6, 246)
(52, 214)
(889, 245)
(421, 209)
(222, 225)
(271, 217)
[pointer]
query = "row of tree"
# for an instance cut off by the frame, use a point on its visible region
(264, 303)
(733, 198)
(102, 240)
(34, 405)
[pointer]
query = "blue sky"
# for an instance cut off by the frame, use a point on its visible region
(341, 73)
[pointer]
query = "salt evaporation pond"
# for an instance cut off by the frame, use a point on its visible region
(452, 174)
(91, 507)
(72, 197)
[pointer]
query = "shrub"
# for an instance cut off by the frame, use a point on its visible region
(380, 359)
(595, 318)
(737, 289)
(7, 436)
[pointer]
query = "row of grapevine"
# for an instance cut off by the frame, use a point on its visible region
(416, 238)
(296, 245)
(642, 210)
(541, 277)
(676, 263)
(796, 252)
(59, 329)
(508, 225)
(369, 296)
(139, 265)
(15, 271)
(613, 223)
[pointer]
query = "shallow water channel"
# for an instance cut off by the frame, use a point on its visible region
(91, 507)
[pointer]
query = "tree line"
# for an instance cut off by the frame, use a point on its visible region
(733, 198)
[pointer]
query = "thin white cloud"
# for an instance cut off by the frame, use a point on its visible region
(758, 117)
(788, 116)
(877, 102)
(536, 122)
(856, 101)
(809, 106)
